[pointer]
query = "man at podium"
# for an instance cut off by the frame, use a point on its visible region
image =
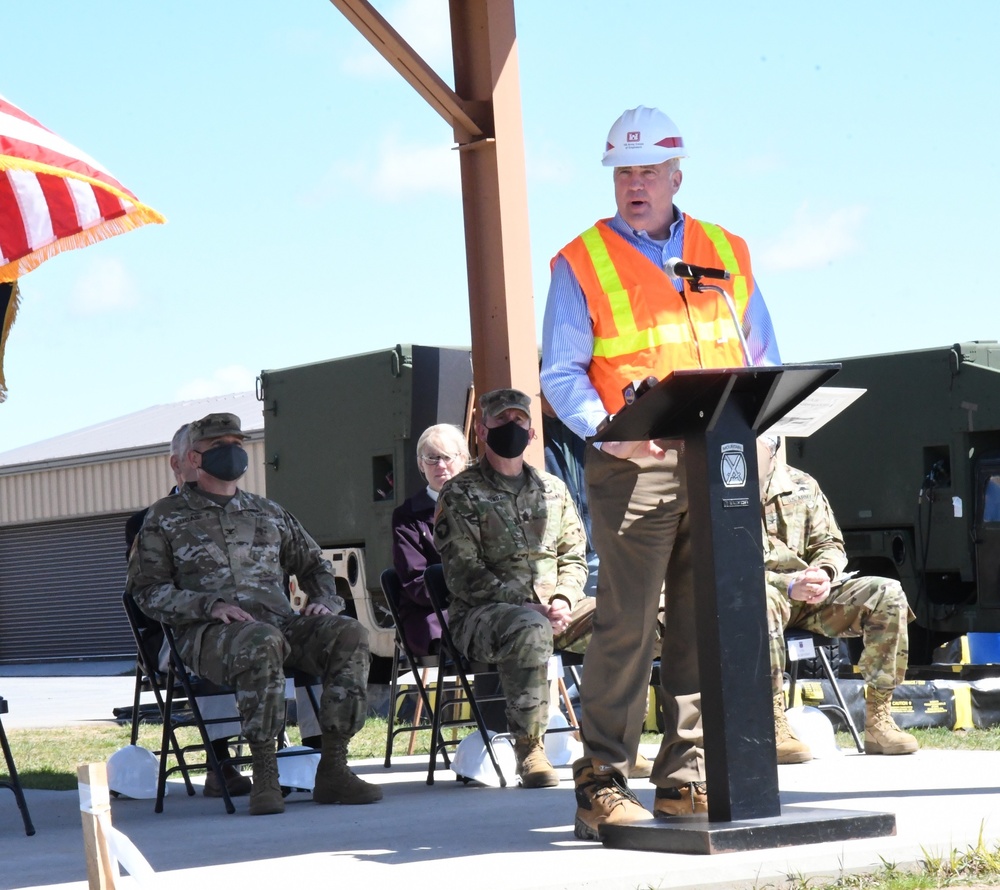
(615, 316)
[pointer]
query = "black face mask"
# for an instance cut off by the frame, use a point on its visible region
(508, 440)
(225, 462)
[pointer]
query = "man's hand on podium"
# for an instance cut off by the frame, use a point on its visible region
(627, 450)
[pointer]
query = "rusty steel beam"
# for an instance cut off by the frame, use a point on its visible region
(484, 110)
(416, 72)
(495, 203)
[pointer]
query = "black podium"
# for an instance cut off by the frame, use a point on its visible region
(719, 414)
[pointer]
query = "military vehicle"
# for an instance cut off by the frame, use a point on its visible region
(340, 439)
(912, 471)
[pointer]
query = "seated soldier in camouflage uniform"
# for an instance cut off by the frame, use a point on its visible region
(210, 563)
(804, 557)
(514, 557)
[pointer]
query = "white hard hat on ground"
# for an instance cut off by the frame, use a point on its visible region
(814, 728)
(643, 136)
(298, 770)
(133, 772)
(561, 747)
(472, 761)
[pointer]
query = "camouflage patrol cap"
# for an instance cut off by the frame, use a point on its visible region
(211, 426)
(499, 400)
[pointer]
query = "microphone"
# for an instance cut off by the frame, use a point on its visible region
(675, 268)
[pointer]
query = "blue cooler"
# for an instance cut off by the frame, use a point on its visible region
(983, 648)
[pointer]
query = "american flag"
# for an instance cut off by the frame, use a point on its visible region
(54, 197)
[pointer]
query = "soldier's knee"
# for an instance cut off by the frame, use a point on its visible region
(353, 635)
(266, 644)
(533, 639)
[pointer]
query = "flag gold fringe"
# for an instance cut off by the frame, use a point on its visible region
(10, 162)
(140, 215)
(6, 323)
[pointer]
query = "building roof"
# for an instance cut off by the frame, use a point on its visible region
(145, 431)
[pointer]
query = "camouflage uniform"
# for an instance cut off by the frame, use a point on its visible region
(192, 553)
(800, 532)
(504, 542)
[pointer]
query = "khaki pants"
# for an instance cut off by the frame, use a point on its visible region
(640, 531)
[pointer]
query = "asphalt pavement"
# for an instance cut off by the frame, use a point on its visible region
(421, 835)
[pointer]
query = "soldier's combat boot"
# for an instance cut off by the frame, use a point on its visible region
(882, 736)
(532, 765)
(790, 749)
(686, 800)
(335, 783)
(642, 768)
(265, 796)
(603, 798)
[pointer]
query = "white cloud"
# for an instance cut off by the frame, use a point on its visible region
(232, 378)
(812, 241)
(396, 172)
(405, 170)
(424, 25)
(104, 286)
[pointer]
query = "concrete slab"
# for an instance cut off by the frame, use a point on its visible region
(498, 838)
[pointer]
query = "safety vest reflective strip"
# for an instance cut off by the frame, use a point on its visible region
(629, 339)
(729, 262)
(611, 284)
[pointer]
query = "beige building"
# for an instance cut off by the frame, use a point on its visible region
(63, 506)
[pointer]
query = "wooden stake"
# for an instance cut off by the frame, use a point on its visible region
(95, 808)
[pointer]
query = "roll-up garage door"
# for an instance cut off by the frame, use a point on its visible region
(60, 591)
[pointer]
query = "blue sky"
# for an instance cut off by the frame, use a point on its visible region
(313, 198)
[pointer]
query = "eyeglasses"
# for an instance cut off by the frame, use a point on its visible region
(439, 458)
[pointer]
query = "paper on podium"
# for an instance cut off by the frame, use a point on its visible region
(815, 411)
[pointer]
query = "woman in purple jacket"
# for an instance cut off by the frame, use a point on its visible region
(442, 452)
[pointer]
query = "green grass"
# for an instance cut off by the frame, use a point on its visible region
(47, 758)
(977, 866)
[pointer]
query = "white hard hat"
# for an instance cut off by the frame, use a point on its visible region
(560, 747)
(298, 770)
(814, 728)
(643, 136)
(472, 761)
(133, 772)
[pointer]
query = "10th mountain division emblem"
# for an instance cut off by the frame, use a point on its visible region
(734, 466)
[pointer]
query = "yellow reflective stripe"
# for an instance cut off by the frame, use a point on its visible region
(612, 347)
(722, 247)
(729, 262)
(611, 283)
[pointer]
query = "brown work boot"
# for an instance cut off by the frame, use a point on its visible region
(532, 765)
(683, 801)
(335, 783)
(642, 768)
(882, 736)
(790, 749)
(237, 784)
(603, 798)
(265, 796)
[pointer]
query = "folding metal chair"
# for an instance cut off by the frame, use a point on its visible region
(13, 782)
(405, 662)
(798, 643)
(463, 669)
(176, 691)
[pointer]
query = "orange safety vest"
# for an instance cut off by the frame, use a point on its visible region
(642, 326)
